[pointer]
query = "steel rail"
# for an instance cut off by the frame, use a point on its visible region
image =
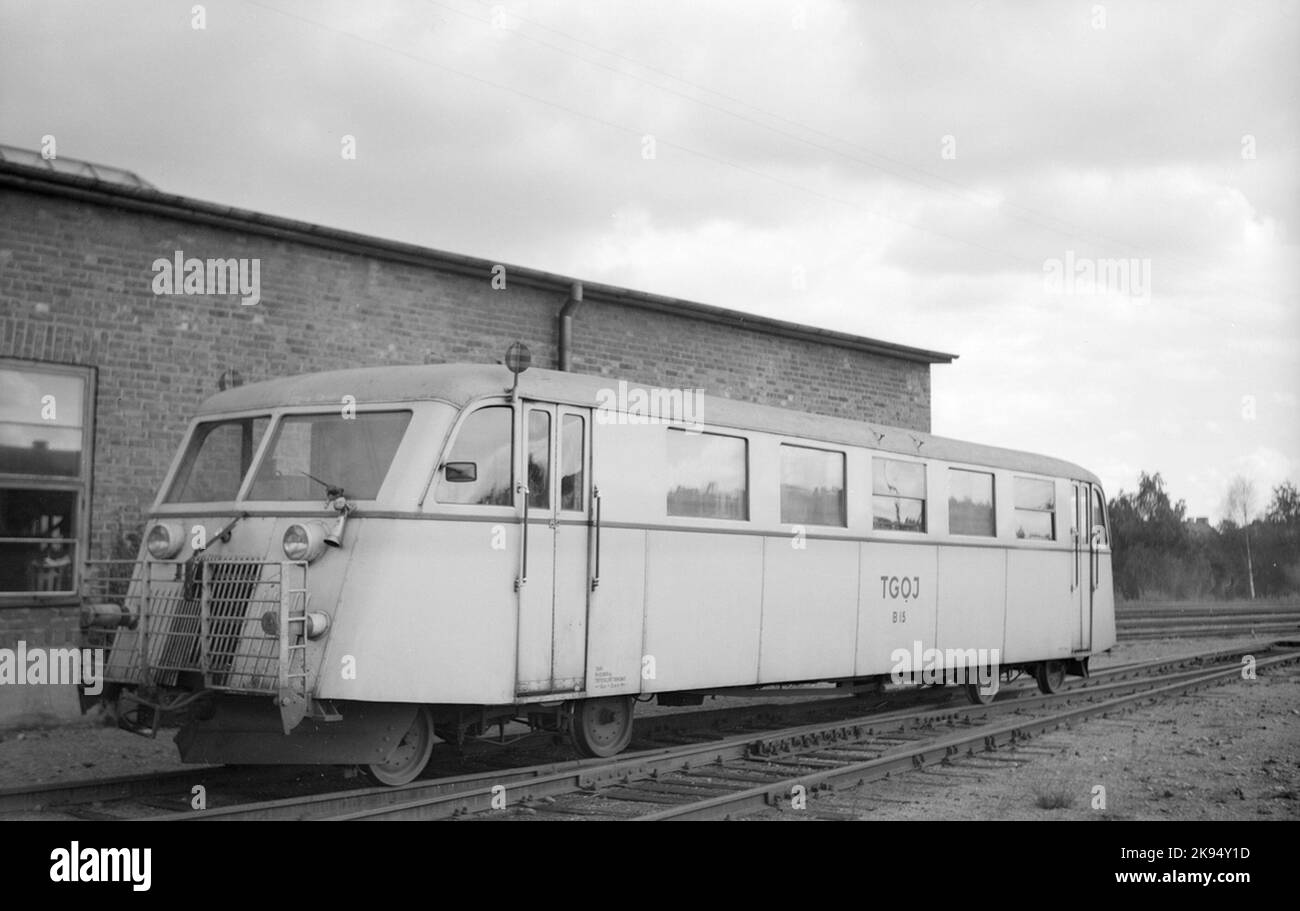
(481, 799)
(70, 794)
(937, 750)
(80, 792)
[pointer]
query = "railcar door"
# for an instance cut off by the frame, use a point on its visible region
(572, 573)
(1103, 594)
(556, 458)
(1083, 575)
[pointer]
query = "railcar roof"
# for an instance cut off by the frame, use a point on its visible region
(460, 384)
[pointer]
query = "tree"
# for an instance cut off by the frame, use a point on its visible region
(1285, 508)
(1240, 506)
(1277, 543)
(1149, 540)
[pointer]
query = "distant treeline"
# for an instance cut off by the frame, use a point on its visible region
(1160, 554)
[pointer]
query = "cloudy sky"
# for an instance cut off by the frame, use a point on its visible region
(1093, 204)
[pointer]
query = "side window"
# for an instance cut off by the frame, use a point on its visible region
(485, 438)
(812, 486)
(970, 503)
(708, 475)
(1035, 509)
(572, 461)
(539, 459)
(897, 495)
(1099, 516)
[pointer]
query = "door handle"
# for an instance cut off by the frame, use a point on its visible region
(595, 501)
(1074, 575)
(1095, 545)
(523, 542)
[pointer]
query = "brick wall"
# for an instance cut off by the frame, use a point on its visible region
(75, 287)
(669, 350)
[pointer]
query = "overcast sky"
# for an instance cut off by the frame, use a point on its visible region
(940, 174)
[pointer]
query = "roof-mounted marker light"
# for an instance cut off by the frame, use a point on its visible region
(518, 359)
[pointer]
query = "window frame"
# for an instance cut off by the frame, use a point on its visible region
(183, 462)
(844, 484)
(465, 413)
(265, 448)
(991, 474)
(924, 500)
(1055, 536)
(563, 414)
(82, 485)
(1099, 500)
(747, 443)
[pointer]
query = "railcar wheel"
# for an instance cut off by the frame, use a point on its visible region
(984, 694)
(602, 727)
(1050, 676)
(410, 757)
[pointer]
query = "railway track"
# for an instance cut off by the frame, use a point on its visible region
(165, 792)
(1184, 619)
(316, 791)
(161, 793)
(740, 773)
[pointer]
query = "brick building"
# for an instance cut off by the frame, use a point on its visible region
(99, 374)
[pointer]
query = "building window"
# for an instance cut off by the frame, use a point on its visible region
(486, 438)
(897, 495)
(812, 486)
(45, 432)
(1035, 510)
(708, 475)
(970, 503)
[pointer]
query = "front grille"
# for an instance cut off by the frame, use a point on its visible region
(231, 588)
(201, 622)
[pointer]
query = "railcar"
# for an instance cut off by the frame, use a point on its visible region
(348, 567)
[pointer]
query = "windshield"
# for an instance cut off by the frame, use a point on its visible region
(312, 453)
(216, 460)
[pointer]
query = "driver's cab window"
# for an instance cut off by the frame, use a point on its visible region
(1099, 518)
(485, 439)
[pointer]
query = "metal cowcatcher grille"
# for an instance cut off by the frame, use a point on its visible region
(234, 624)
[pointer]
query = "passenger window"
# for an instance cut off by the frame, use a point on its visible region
(572, 461)
(897, 495)
(812, 486)
(708, 475)
(1035, 509)
(486, 438)
(539, 460)
(970, 503)
(1099, 516)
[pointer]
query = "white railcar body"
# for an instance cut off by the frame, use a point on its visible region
(656, 557)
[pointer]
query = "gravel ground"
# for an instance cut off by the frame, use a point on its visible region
(1225, 753)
